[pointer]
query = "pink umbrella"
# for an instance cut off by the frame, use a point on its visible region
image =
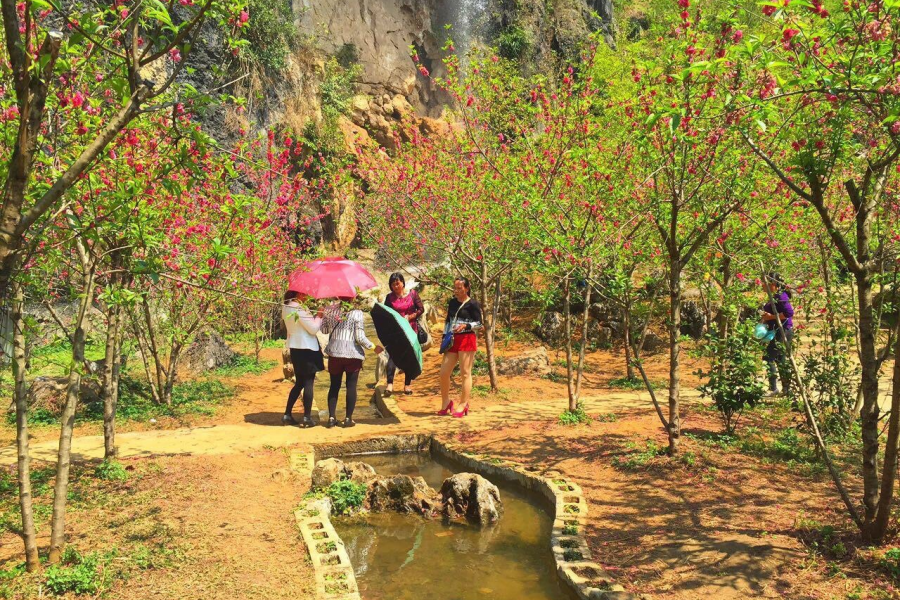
(333, 277)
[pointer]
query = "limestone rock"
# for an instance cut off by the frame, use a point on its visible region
(552, 328)
(404, 494)
(332, 470)
(355, 137)
(359, 472)
(208, 351)
(380, 33)
(49, 393)
(603, 312)
(693, 319)
(472, 496)
(653, 343)
(533, 362)
(326, 472)
(599, 335)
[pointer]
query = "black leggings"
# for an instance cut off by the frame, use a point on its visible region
(352, 380)
(304, 382)
(392, 369)
(304, 385)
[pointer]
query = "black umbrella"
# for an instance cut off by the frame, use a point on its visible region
(398, 339)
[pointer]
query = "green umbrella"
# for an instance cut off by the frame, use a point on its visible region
(399, 339)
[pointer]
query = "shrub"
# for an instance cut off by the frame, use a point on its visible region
(890, 562)
(337, 87)
(829, 376)
(733, 380)
(270, 34)
(111, 470)
(574, 417)
(513, 42)
(77, 574)
(346, 496)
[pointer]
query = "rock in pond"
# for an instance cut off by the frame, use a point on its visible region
(404, 494)
(331, 470)
(472, 496)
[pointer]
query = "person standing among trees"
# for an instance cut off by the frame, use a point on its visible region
(778, 308)
(463, 320)
(346, 351)
(306, 355)
(408, 305)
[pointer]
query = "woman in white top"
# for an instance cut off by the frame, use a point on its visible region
(346, 348)
(306, 356)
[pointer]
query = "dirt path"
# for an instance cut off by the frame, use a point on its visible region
(723, 530)
(266, 431)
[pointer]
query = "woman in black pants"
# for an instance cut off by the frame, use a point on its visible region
(346, 348)
(306, 356)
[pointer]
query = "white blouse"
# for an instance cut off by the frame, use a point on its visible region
(301, 327)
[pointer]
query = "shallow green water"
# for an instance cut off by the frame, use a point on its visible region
(400, 557)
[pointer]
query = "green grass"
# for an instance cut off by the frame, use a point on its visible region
(638, 457)
(635, 383)
(198, 397)
(133, 535)
(555, 377)
(787, 446)
(245, 365)
(53, 360)
(249, 339)
(561, 363)
(484, 391)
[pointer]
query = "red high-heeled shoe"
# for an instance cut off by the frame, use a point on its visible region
(446, 411)
(462, 413)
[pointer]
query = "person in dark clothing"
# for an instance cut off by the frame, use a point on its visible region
(306, 356)
(408, 305)
(463, 320)
(778, 308)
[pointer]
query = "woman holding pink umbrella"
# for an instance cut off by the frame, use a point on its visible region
(343, 279)
(306, 356)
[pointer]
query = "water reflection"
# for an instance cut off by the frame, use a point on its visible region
(406, 556)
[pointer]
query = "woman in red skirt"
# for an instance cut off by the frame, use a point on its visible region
(463, 319)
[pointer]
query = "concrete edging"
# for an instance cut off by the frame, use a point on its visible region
(331, 565)
(387, 406)
(587, 579)
(570, 551)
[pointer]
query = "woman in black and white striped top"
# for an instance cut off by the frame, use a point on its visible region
(346, 349)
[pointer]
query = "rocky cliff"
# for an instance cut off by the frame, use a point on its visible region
(380, 35)
(372, 41)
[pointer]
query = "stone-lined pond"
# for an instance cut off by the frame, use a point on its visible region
(406, 557)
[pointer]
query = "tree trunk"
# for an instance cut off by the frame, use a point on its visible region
(111, 381)
(489, 323)
(32, 562)
(870, 410)
(584, 333)
(626, 323)
(567, 313)
(877, 529)
(73, 389)
(674, 429)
